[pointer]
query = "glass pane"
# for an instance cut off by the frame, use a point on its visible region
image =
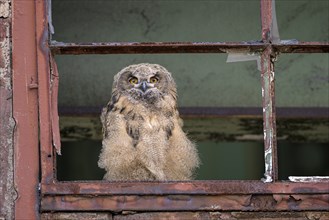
(303, 20)
(156, 20)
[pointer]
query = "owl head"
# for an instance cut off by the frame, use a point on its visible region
(144, 83)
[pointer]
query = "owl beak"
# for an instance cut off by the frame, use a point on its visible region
(144, 86)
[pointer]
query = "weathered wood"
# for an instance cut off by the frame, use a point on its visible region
(234, 128)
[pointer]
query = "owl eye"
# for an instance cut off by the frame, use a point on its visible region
(133, 80)
(154, 79)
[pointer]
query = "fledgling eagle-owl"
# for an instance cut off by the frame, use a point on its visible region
(142, 131)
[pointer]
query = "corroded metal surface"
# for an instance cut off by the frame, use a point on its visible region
(268, 94)
(77, 215)
(45, 125)
(209, 47)
(223, 215)
(25, 112)
(158, 47)
(269, 117)
(188, 215)
(260, 202)
(178, 188)
(302, 47)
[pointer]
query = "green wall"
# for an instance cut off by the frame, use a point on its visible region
(202, 79)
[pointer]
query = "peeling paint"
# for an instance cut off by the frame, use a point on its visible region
(4, 9)
(269, 118)
(272, 76)
(268, 166)
(5, 55)
(214, 215)
(307, 179)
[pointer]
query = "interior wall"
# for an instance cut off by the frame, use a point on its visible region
(203, 80)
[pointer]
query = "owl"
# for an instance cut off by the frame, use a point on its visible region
(143, 138)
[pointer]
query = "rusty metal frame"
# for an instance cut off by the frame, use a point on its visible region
(25, 109)
(270, 195)
(60, 48)
(174, 196)
(268, 95)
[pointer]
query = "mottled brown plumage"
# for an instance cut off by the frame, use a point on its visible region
(142, 131)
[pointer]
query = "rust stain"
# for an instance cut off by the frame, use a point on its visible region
(156, 47)
(189, 203)
(183, 188)
(269, 116)
(266, 17)
(80, 216)
(25, 110)
(185, 47)
(45, 113)
(214, 215)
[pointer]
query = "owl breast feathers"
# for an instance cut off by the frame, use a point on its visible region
(142, 131)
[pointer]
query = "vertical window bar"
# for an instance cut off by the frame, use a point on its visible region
(268, 95)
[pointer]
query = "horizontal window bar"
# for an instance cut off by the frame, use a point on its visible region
(188, 215)
(160, 47)
(114, 203)
(302, 47)
(181, 47)
(211, 187)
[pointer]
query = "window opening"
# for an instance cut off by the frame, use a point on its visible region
(202, 194)
(80, 109)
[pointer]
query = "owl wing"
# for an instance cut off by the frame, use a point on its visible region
(118, 154)
(182, 155)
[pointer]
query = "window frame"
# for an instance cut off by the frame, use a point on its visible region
(256, 195)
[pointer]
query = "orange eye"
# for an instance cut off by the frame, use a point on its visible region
(133, 80)
(154, 79)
